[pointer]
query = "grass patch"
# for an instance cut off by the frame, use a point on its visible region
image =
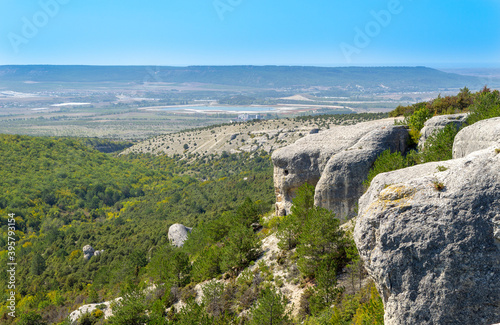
(438, 185)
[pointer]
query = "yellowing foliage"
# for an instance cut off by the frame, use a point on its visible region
(112, 215)
(74, 254)
(97, 313)
(26, 302)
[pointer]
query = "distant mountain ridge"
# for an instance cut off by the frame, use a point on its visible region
(393, 78)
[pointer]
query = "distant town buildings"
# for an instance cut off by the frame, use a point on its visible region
(248, 117)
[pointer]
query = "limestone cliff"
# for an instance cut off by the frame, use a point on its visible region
(429, 237)
(341, 183)
(336, 160)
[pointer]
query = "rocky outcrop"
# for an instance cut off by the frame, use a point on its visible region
(88, 309)
(88, 252)
(177, 234)
(437, 123)
(479, 135)
(341, 183)
(429, 238)
(306, 160)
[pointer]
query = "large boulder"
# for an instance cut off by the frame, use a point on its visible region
(177, 234)
(437, 123)
(306, 159)
(88, 252)
(479, 135)
(341, 183)
(429, 237)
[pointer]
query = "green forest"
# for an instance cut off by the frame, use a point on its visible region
(64, 194)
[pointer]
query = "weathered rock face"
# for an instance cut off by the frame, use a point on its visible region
(429, 239)
(341, 184)
(438, 123)
(479, 135)
(177, 234)
(305, 161)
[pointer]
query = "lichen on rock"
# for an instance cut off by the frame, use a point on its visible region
(436, 260)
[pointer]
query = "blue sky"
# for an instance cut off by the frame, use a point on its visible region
(444, 33)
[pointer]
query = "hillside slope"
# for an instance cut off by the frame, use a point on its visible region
(394, 78)
(266, 135)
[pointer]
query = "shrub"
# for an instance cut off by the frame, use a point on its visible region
(270, 309)
(188, 293)
(386, 162)
(441, 168)
(31, 318)
(439, 146)
(438, 185)
(485, 106)
(212, 298)
(416, 122)
(130, 310)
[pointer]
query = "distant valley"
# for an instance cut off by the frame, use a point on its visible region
(138, 102)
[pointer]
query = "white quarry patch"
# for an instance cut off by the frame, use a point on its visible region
(70, 104)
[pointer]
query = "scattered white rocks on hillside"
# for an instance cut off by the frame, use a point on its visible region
(428, 235)
(437, 123)
(336, 161)
(104, 306)
(267, 135)
(479, 135)
(291, 290)
(270, 253)
(178, 233)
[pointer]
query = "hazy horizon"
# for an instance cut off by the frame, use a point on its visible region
(471, 66)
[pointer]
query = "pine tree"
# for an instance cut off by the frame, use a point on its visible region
(290, 228)
(240, 248)
(271, 309)
(37, 265)
(321, 239)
